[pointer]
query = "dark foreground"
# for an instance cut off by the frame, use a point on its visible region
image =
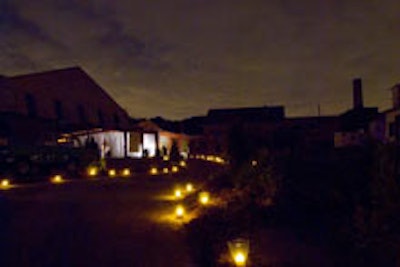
(89, 223)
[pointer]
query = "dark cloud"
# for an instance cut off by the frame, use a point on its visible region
(179, 58)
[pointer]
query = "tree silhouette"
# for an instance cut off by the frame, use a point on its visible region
(174, 154)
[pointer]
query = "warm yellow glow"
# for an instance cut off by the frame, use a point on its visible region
(165, 170)
(5, 183)
(210, 158)
(198, 156)
(57, 179)
(204, 198)
(112, 173)
(254, 163)
(153, 171)
(240, 259)
(178, 193)
(62, 140)
(165, 158)
(202, 156)
(126, 172)
(182, 163)
(179, 211)
(175, 169)
(92, 171)
(189, 187)
(239, 250)
(219, 160)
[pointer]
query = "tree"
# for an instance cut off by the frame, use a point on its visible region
(260, 178)
(174, 154)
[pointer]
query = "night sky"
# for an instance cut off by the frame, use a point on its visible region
(178, 58)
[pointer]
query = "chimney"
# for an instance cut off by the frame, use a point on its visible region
(357, 93)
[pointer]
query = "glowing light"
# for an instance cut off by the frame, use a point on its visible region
(203, 157)
(178, 193)
(175, 169)
(112, 173)
(240, 259)
(5, 183)
(210, 158)
(198, 157)
(92, 171)
(57, 179)
(165, 158)
(182, 163)
(179, 211)
(126, 172)
(239, 250)
(189, 187)
(62, 140)
(153, 171)
(254, 163)
(219, 160)
(204, 198)
(165, 170)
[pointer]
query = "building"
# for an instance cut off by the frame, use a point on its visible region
(391, 119)
(355, 123)
(257, 123)
(56, 101)
(159, 140)
(307, 136)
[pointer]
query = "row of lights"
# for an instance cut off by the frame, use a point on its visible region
(212, 158)
(126, 172)
(56, 179)
(165, 170)
(238, 248)
(94, 171)
(179, 193)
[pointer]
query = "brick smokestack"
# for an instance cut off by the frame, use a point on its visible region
(357, 93)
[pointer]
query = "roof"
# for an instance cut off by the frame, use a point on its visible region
(54, 79)
(72, 87)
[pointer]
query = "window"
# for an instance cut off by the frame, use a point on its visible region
(30, 102)
(58, 109)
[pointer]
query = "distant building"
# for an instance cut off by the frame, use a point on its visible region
(257, 123)
(392, 117)
(54, 101)
(355, 123)
(307, 136)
